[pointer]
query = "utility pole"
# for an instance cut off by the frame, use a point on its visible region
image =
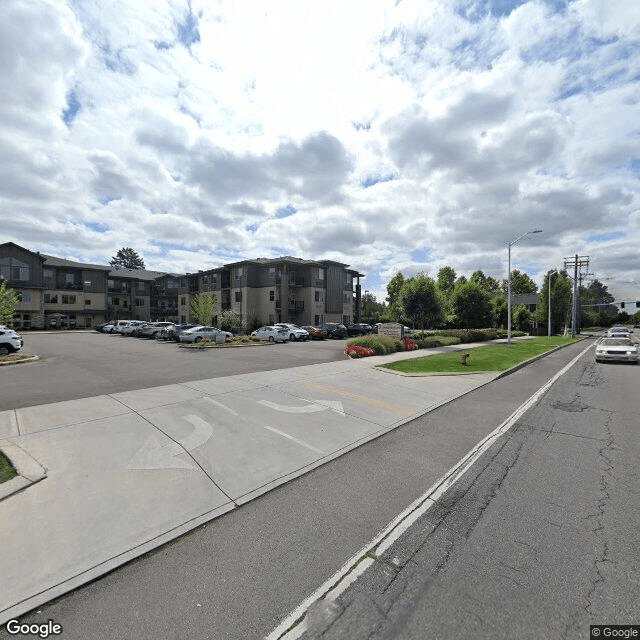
(577, 263)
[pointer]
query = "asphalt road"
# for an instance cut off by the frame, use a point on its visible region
(83, 364)
(540, 540)
(239, 575)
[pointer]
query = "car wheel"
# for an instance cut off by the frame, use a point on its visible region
(4, 350)
(271, 339)
(198, 339)
(292, 338)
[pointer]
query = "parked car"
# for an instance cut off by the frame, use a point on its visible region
(107, 328)
(295, 332)
(616, 349)
(315, 333)
(173, 331)
(335, 330)
(128, 329)
(272, 333)
(10, 341)
(120, 325)
(151, 330)
(359, 329)
(99, 327)
(200, 332)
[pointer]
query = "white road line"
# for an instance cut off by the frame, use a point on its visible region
(219, 404)
(286, 629)
(296, 440)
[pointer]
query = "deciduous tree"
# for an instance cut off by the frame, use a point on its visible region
(9, 298)
(202, 307)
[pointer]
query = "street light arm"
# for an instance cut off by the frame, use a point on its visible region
(526, 233)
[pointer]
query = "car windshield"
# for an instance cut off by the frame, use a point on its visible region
(616, 342)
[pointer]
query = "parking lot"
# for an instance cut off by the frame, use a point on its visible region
(87, 363)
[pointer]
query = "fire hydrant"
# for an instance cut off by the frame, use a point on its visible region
(463, 358)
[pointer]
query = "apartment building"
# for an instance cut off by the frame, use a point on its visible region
(286, 289)
(55, 291)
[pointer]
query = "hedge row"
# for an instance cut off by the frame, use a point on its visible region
(382, 345)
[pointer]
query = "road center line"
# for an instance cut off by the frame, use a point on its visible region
(296, 440)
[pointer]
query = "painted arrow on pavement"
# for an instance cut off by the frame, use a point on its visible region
(157, 453)
(317, 405)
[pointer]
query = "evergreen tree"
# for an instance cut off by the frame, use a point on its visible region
(127, 258)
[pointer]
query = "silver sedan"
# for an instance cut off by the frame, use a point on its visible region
(616, 350)
(271, 333)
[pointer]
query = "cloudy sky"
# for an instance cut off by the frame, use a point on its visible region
(389, 135)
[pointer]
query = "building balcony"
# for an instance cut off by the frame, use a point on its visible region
(296, 306)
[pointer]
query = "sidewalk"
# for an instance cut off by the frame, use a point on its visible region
(108, 478)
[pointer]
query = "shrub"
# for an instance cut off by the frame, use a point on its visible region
(357, 351)
(381, 345)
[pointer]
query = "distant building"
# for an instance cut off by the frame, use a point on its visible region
(54, 291)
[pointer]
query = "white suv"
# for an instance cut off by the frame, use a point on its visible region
(10, 341)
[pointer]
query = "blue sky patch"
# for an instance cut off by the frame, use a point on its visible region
(160, 45)
(105, 200)
(606, 237)
(96, 226)
(369, 181)
(285, 212)
(420, 255)
(634, 165)
(73, 106)
(252, 228)
(188, 32)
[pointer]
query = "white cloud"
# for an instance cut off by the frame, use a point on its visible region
(403, 135)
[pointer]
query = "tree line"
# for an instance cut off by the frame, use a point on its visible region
(455, 301)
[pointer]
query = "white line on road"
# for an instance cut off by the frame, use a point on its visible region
(300, 442)
(291, 629)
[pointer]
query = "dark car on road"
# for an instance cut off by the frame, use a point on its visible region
(335, 330)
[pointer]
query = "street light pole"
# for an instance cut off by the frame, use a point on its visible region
(549, 305)
(509, 283)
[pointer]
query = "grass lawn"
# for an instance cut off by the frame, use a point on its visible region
(6, 469)
(490, 357)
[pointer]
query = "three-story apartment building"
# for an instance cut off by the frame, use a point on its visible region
(56, 291)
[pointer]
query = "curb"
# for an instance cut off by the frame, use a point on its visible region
(31, 359)
(29, 469)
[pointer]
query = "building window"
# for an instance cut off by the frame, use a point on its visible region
(87, 283)
(87, 302)
(139, 302)
(319, 296)
(66, 299)
(238, 296)
(47, 273)
(68, 278)
(51, 298)
(24, 296)
(318, 320)
(272, 296)
(12, 269)
(205, 279)
(183, 301)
